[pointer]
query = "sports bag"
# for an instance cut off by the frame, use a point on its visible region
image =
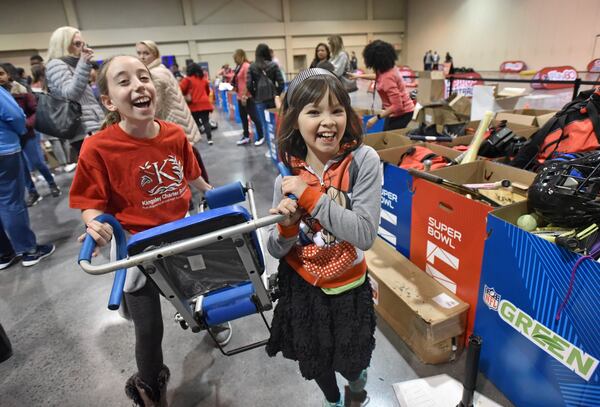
(576, 128)
(58, 117)
(416, 156)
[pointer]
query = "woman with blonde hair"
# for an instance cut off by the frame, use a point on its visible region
(339, 57)
(68, 73)
(171, 105)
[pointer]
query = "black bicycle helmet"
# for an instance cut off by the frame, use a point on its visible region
(565, 191)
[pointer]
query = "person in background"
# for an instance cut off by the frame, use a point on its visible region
(449, 60)
(36, 60)
(196, 89)
(245, 101)
(17, 240)
(353, 61)
(428, 60)
(265, 97)
(435, 58)
(31, 139)
(339, 57)
(225, 74)
(171, 105)
(68, 74)
(176, 72)
(322, 53)
(93, 77)
(60, 148)
(395, 99)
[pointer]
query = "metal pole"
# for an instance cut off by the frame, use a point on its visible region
(576, 87)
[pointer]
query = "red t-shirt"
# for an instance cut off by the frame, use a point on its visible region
(199, 90)
(393, 93)
(142, 182)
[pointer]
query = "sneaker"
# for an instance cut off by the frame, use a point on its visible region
(244, 140)
(55, 191)
(222, 333)
(8, 260)
(42, 251)
(210, 142)
(259, 142)
(340, 403)
(33, 199)
(69, 167)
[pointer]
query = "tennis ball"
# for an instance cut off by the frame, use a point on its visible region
(527, 222)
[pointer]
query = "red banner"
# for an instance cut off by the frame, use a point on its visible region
(555, 73)
(594, 66)
(513, 66)
(463, 83)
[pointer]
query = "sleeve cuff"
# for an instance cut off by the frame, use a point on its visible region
(309, 198)
(288, 231)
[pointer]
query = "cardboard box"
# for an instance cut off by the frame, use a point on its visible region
(528, 117)
(437, 113)
(397, 195)
(461, 106)
(422, 312)
(431, 87)
(531, 357)
(387, 139)
(485, 98)
(448, 230)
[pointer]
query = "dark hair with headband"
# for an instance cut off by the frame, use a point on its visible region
(308, 87)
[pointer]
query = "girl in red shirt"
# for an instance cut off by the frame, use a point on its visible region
(197, 91)
(138, 170)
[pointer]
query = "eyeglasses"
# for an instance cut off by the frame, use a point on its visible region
(78, 44)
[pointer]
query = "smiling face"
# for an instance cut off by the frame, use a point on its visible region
(131, 91)
(322, 126)
(144, 53)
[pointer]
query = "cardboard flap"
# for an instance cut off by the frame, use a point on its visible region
(387, 139)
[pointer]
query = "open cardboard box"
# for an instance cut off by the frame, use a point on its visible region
(461, 105)
(396, 195)
(448, 230)
(528, 117)
(387, 139)
(427, 316)
(431, 87)
(436, 113)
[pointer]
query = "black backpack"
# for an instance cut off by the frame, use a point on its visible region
(265, 88)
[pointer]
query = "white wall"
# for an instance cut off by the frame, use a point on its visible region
(484, 33)
(204, 30)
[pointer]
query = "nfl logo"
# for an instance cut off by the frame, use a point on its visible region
(491, 298)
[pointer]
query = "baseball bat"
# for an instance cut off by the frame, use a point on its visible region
(458, 187)
(471, 154)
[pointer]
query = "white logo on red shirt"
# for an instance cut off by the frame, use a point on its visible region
(158, 178)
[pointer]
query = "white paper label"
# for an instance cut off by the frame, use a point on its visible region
(445, 301)
(375, 288)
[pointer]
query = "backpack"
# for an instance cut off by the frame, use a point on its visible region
(575, 128)
(416, 156)
(265, 88)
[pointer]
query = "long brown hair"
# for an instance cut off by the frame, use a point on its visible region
(102, 83)
(312, 90)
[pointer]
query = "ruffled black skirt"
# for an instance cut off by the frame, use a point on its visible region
(322, 331)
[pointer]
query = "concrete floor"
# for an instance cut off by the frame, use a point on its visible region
(69, 350)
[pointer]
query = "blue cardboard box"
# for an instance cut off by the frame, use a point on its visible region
(534, 359)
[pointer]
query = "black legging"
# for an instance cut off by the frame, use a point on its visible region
(399, 122)
(201, 118)
(250, 109)
(144, 308)
(328, 384)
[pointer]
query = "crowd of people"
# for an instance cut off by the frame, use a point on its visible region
(136, 107)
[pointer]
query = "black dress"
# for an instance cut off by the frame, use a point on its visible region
(322, 331)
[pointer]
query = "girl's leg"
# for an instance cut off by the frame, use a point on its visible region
(205, 121)
(35, 156)
(328, 385)
(144, 308)
(251, 108)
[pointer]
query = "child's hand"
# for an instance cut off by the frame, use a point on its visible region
(289, 208)
(293, 185)
(101, 232)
